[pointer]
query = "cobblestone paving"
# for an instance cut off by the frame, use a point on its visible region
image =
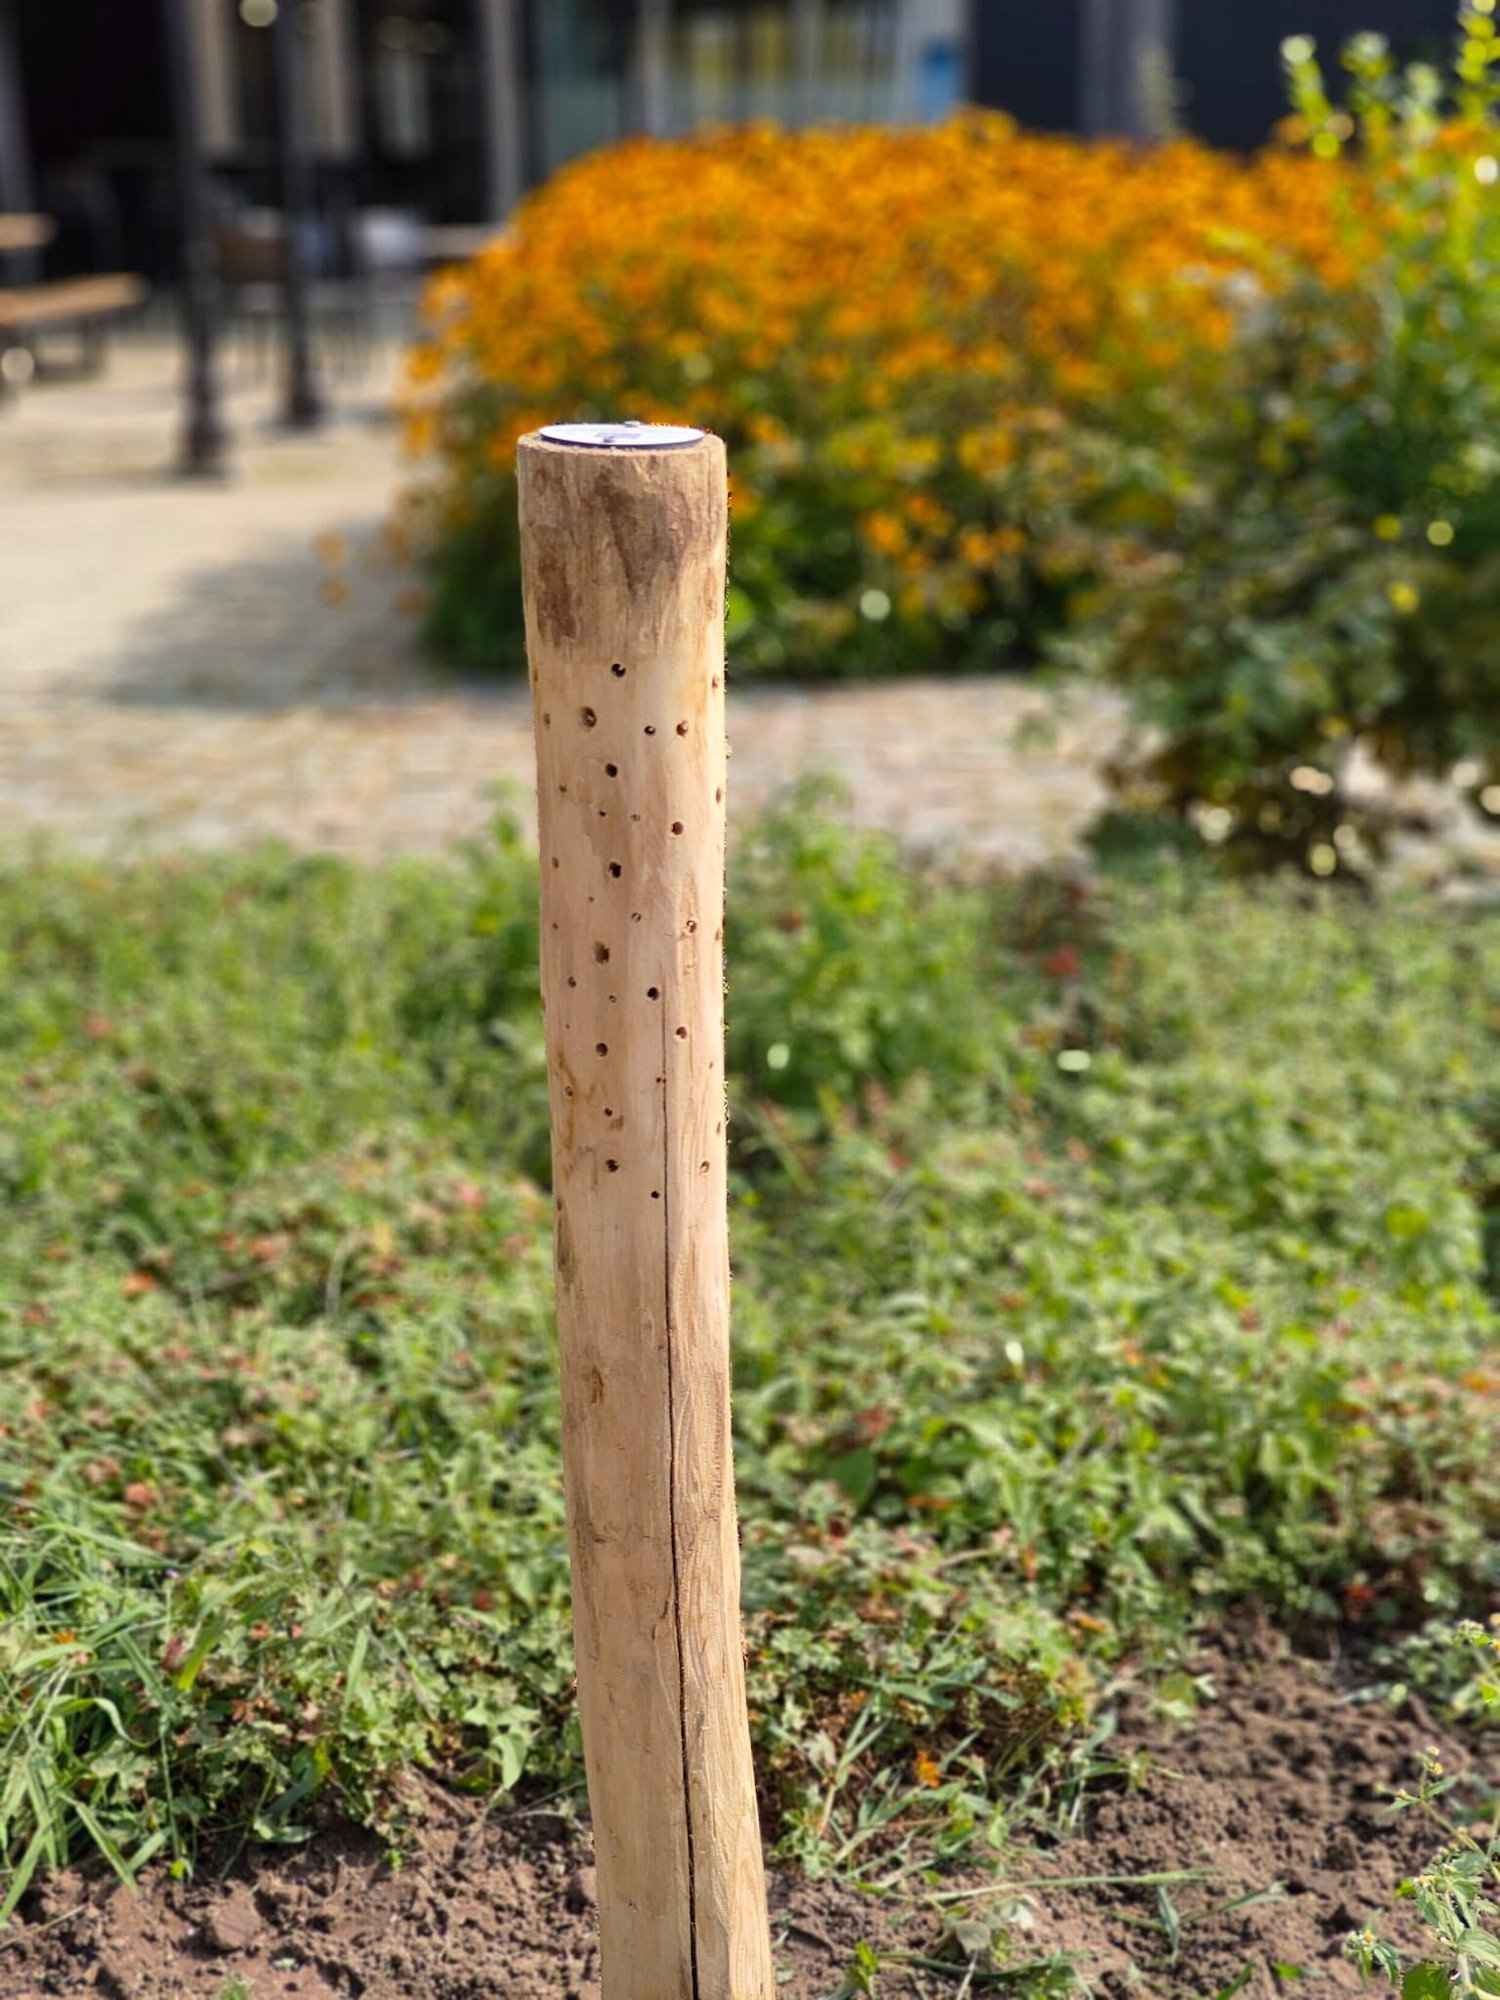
(191, 665)
(199, 665)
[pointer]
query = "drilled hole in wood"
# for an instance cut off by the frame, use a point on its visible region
(703, 1166)
(635, 815)
(616, 870)
(587, 717)
(571, 980)
(653, 993)
(555, 862)
(567, 1090)
(682, 729)
(562, 788)
(607, 1112)
(611, 770)
(601, 954)
(635, 916)
(691, 924)
(613, 1166)
(677, 826)
(656, 1194)
(618, 671)
(602, 813)
(601, 1048)
(682, 1034)
(650, 728)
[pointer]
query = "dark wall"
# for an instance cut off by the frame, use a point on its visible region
(1228, 55)
(99, 130)
(95, 76)
(1025, 59)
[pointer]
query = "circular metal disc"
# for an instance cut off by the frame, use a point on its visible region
(622, 436)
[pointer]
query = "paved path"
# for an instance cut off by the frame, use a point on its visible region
(185, 665)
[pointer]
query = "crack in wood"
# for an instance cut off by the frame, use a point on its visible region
(682, 1718)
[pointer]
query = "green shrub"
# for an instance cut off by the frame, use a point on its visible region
(847, 976)
(1327, 587)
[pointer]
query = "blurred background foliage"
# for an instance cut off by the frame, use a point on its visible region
(1330, 533)
(1222, 431)
(930, 352)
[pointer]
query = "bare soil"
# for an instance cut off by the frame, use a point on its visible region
(1272, 1797)
(1278, 1790)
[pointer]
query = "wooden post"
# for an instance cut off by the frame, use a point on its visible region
(623, 535)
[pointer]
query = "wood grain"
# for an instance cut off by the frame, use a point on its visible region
(623, 561)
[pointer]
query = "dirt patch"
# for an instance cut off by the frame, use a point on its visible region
(481, 1910)
(1274, 1792)
(1278, 1792)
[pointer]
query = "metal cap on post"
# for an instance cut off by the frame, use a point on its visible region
(629, 434)
(623, 539)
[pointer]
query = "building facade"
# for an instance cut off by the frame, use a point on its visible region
(1143, 67)
(443, 110)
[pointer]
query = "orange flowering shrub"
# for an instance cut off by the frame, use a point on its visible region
(930, 353)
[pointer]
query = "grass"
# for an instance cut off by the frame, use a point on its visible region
(1101, 1258)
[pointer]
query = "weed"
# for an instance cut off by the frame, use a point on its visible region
(1457, 1894)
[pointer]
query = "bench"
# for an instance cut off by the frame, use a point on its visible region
(82, 305)
(25, 232)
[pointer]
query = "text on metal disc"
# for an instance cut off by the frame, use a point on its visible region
(622, 436)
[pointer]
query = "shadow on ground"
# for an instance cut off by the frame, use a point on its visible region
(330, 619)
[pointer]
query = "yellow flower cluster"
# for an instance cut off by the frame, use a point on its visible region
(889, 327)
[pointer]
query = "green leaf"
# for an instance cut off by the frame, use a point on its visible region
(1240, 1980)
(855, 1473)
(1425, 1982)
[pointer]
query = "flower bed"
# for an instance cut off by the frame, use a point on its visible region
(933, 354)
